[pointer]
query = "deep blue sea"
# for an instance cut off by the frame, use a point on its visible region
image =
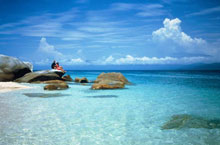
(130, 116)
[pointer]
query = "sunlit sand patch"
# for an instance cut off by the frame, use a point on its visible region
(11, 86)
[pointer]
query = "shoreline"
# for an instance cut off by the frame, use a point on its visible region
(11, 86)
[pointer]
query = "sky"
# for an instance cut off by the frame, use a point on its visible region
(111, 32)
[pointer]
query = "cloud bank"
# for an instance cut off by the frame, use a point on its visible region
(172, 31)
(129, 59)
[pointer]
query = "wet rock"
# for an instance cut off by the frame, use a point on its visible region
(61, 86)
(109, 81)
(189, 121)
(12, 68)
(55, 85)
(67, 78)
(106, 84)
(81, 80)
(40, 76)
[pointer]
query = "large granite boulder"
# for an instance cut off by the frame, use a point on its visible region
(12, 68)
(110, 81)
(113, 76)
(41, 76)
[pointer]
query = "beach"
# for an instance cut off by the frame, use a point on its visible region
(11, 86)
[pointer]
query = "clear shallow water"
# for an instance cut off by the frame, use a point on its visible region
(130, 116)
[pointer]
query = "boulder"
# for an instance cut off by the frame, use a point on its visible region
(109, 81)
(41, 76)
(81, 80)
(113, 76)
(12, 68)
(56, 87)
(67, 78)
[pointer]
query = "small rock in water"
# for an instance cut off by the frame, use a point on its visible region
(56, 87)
(81, 80)
(189, 121)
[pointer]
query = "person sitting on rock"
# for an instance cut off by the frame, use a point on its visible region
(53, 64)
(58, 67)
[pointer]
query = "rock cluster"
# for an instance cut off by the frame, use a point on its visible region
(110, 81)
(12, 69)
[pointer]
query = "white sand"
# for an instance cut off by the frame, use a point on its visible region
(11, 86)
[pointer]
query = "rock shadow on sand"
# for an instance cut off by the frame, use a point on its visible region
(45, 95)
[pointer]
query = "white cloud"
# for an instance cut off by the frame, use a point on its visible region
(49, 49)
(172, 31)
(128, 59)
(48, 53)
(170, 39)
(144, 10)
(48, 24)
(72, 61)
(109, 59)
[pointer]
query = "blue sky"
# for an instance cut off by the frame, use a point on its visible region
(111, 32)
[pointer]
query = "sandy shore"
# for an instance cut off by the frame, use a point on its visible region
(11, 86)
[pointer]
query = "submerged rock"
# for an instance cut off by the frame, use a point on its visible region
(40, 76)
(189, 121)
(12, 68)
(109, 81)
(81, 80)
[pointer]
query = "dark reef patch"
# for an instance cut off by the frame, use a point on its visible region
(190, 121)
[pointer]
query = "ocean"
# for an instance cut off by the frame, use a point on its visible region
(134, 115)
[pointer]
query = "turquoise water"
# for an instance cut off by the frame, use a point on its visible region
(130, 116)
